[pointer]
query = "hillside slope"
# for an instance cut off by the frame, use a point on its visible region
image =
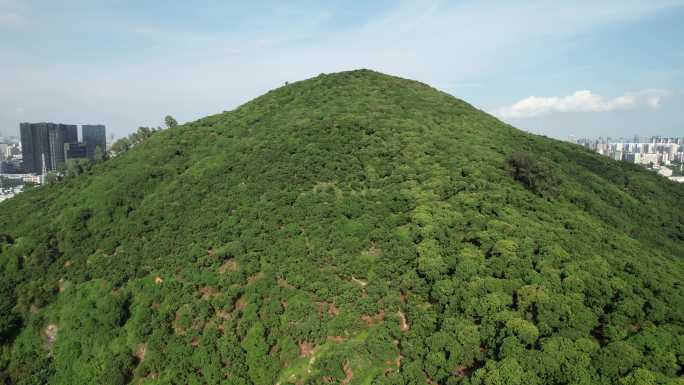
(352, 228)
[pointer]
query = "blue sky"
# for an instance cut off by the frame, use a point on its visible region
(582, 68)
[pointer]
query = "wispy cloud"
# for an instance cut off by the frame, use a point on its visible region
(582, 101)
(11, 19)
(192, 61)
(10, 15)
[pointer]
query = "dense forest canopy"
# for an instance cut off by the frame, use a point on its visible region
(353, 228)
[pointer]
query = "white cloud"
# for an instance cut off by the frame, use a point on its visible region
(582, 101)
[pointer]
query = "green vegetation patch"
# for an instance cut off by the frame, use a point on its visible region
(353, 228)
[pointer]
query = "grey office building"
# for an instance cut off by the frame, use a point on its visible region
(94, 136)
(75, 151)
(43, 144)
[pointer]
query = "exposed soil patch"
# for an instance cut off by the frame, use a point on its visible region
(306, 349)
(359, 281)
(326, 308)
(240, 303)
(403, 325)
(50, 335)
(464, 371)
(282, 282)
(374, 250)
(320, 308)
(333, 310)
(396, 362)
(152, 376)
(349, 373)
(209, 292)
(158, 280)
(140, 352)
(255, 277)
(228, 266)
(371, 320)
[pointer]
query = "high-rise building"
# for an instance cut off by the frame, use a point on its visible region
(70, 132)
(34, 143)
(634, 157)
(94, 136)
(12, 166)
(13, 151)
(43, 144)
(75, 151)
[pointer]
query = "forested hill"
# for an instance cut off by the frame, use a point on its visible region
(353, 228)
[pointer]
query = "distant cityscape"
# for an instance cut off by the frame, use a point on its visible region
(45, 147)
(664, 155)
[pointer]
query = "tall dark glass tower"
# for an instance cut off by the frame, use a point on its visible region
(42, 144)
(94, 136)
(70, 132)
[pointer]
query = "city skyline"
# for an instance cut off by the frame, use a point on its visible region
(664, 155)
(607, 68)
(46, 145)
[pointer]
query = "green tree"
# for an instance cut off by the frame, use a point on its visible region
(76, 167)
(505, 372)
(523, 329)
(99, 155)
(120, 146)
(261, 365)
(170, 122)
(532, 173)
(139, 136)
(640, 377)
(9, 319)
